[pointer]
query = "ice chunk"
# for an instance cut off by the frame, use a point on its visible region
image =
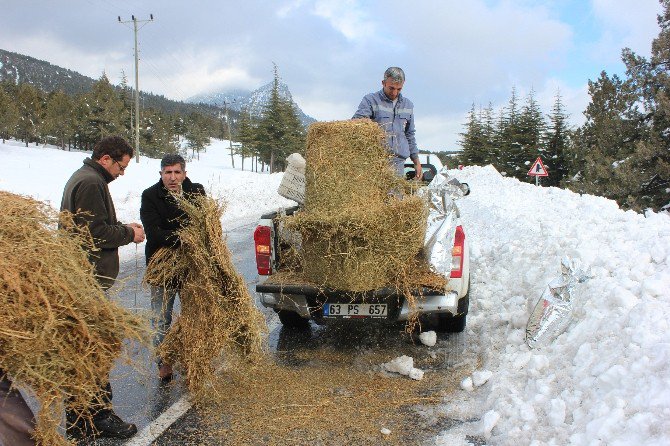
(479, 377)
(489, 422)
(466, 384)
(402, 364)
(428, 338)
(416, 374)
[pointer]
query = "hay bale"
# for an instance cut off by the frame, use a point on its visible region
(218, 315)
(59, 334)
(361, 250)
(358, 231)
(347, 166)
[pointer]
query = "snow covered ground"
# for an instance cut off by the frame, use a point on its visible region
(605, 381)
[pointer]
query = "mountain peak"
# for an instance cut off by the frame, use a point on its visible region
(253, 101)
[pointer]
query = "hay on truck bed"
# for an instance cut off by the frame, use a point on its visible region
(59, 334)
(218, 320)
(360, 228)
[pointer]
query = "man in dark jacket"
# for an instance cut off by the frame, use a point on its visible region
(162, 218)
(87, 196)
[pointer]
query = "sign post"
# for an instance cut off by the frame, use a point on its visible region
(538, 170)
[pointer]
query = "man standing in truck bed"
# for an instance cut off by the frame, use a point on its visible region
(395, 113)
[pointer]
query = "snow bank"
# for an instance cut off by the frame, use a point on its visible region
(606, 380)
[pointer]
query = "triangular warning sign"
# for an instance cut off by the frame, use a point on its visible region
(538, 169)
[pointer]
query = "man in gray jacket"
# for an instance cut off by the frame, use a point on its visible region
(395, 114)
(87, 196)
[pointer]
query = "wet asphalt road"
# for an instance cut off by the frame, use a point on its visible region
(139, 397)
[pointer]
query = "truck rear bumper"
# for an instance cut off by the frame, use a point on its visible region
(294, 299)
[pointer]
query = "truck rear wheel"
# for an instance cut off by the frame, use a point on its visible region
(291, 319)
(447, 323)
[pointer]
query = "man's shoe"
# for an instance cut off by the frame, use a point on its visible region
(109, 425)
(77, 428)
(79, 431)
(165, 372)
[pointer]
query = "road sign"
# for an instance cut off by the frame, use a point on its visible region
(538, 169)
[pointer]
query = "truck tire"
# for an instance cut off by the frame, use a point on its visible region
(291, 319)
(447, 323)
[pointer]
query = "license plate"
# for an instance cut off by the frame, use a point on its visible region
(354, 310)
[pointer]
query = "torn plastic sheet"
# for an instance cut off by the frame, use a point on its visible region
(553, 311)
(442, 193)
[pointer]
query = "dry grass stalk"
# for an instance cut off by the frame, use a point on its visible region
(60, 335)
(330, 401)
(218, 315)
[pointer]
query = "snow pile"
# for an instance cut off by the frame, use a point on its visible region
(607, 378)
(403, 365)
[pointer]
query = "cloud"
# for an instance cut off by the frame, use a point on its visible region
(348, 17)
(627, 23)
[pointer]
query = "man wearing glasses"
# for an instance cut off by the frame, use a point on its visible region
(87, 196)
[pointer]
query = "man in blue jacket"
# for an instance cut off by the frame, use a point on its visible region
(162, 219)
(395, 113)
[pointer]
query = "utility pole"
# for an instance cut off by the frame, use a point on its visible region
(230, 135)
(137, 81)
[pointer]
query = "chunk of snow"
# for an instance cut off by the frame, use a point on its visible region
(402, 365)
(416, 374)
(480, 377)
(428, 338)
(489, 422)
(466, 384)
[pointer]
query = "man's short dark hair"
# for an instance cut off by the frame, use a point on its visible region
(171, 159)
(395, 74)
(114, 146)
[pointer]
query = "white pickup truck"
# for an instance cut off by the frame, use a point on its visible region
(445, 309)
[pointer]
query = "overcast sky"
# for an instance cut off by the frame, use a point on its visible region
(332, 52)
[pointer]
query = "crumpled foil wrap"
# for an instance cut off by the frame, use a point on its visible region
(553, 311)
(441, 194)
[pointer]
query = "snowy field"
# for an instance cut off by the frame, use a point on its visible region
(605, 381)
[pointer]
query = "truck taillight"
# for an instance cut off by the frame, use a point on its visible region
(457, 253)
(263, 242)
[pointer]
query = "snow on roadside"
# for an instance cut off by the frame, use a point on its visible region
(606, 380)
(42, 172)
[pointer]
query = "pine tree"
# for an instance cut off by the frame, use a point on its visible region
(29, 105)
(126, 97)
(557, 141)
(59, 118)
(157, 136)
(196, 134)
(105, 112)
(491, 143)
(247, 137)
(607, 141)
(531, 130)
(512, 157)
(9, 115)
(650, 79)
(473, 141)
(279, 132)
